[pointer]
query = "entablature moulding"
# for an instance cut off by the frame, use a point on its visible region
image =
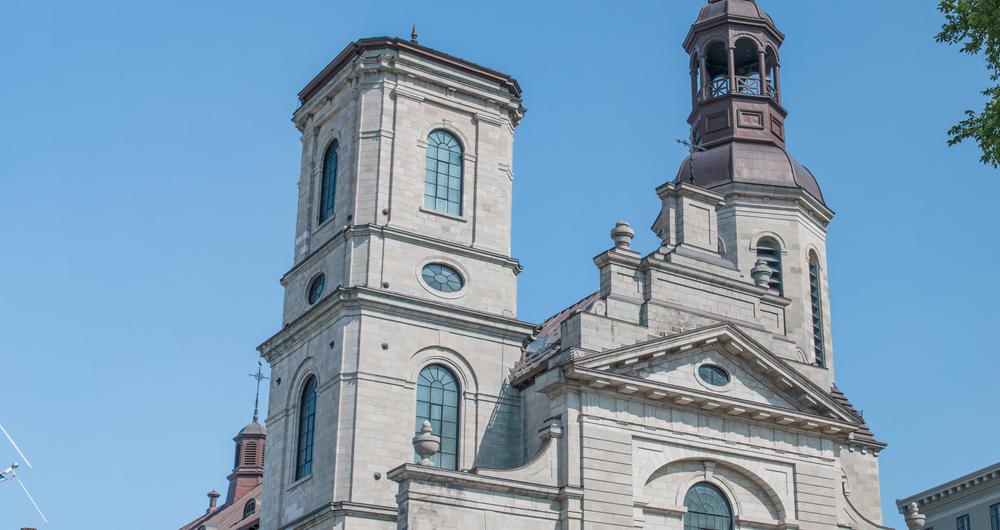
(955, 490)
(748, 195)
(390, 232)
(607, 371)
(356, 301)
(730, 100)
(352, 77)
(333, 510)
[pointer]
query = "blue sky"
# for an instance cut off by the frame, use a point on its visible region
(149, 167)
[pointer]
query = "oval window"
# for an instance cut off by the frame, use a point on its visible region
(442, 278)
(713, 375)
(316, 288)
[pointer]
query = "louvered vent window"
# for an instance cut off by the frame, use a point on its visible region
(236, 459)
(769, 251)
(817, 311)
(250, 455)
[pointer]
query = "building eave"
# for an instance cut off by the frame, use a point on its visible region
(989, 475)
(358, 47)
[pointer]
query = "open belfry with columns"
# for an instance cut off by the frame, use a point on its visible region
(694, 389)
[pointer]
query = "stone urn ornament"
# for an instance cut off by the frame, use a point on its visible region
(914, 519)
(426, 444)
(761, 274)
(622, 235)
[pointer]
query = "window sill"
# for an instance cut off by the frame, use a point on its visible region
(324, 224)
(445, 215)
(299, 482)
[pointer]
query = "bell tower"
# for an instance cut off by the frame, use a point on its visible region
(735, 75)
(402, 280)
(772, 218)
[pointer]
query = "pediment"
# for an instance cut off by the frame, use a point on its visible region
(762, 385)
(682, 370)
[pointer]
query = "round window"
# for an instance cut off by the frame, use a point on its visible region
(713, 375)
(316, 288)
(442, 278)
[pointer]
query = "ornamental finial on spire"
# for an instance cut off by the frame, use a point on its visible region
(413, 34)
(259, 376)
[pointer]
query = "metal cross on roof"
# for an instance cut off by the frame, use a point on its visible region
(259, 376)
(692, 148)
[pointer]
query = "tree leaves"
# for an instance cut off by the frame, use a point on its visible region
(975, 24)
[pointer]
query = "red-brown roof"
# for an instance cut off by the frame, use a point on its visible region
(864, 434)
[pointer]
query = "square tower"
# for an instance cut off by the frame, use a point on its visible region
(401, 300)
(406, 161)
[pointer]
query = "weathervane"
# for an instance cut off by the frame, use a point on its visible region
(259, 376)
(11, 473)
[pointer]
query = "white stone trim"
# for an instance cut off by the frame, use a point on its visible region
(697, 376)
(445, 260)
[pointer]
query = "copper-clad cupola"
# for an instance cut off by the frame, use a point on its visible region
(737, 120)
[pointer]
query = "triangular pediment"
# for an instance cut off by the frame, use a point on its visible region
(760, 384)
(727, 376)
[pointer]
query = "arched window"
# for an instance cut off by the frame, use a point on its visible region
(307, 426)
(443, 173)
(717, 69)
(328, 189)
(437, 401)
(707, 509)
(769, 251)
(249, 508)
(771, 68)
(746, 59)
(816, 300)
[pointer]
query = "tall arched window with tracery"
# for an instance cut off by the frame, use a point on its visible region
(707, 509)
(443, 173)
(328, 188)
(307, 428)
(769, 251)
(816, 303)
(437, 401)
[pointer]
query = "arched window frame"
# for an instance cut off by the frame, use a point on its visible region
(769, 249)
(748, 73)
(773, 82)
(328, 182)
(249, 508)
(444, 172)
(816, 309)
(695, 520)
(305, 433)
(443, 409)
(715, 63)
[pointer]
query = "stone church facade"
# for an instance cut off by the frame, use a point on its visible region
(693, 389)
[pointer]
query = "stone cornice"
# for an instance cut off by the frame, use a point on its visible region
(802, 198)
(987, 476)
(416, 472)
(725, 406)
(738, 344)
(342, 508)
(391, 232)
(383, 301)
(404, 59)
(655, 263)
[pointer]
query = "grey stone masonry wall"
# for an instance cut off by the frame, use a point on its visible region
(607, 477)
